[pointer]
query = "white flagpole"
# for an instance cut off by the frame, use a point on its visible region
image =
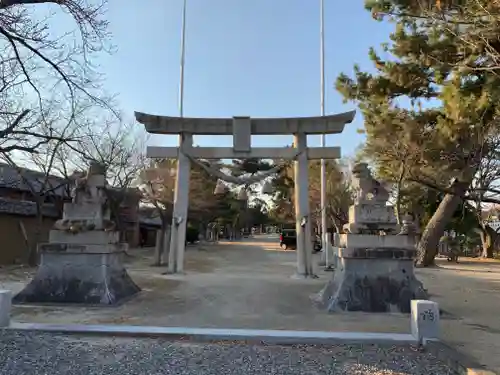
(181, 198)
(183, 55)
(324, 228)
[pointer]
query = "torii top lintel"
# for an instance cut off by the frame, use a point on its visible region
(332, 124)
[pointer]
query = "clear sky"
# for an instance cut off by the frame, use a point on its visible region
(243, 57)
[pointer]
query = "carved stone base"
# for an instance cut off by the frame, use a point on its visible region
(89, 237)
(371, 229)
(371, 280)
(79, 278)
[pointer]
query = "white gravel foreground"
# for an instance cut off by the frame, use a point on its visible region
(46, 353)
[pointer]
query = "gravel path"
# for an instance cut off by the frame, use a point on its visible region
(39, 353)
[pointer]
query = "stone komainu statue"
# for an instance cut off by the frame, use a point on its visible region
(81, 190)
(85, 191)
(79, 187)
(367, 187)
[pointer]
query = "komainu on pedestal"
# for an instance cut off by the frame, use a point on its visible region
(374, 259)
(83, 261)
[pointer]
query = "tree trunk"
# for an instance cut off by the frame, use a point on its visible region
(33, 256)
(428, 245)
(159, 247)
(487, 240)
(399, 184)
(201, 231)
(166, 244)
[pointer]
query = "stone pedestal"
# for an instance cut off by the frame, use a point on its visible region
(368, 217)
(82, 263)
(79, 274)
(374, 269)
(372, 274)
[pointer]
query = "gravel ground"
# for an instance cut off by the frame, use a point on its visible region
(40, 353)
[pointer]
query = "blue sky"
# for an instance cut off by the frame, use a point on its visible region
(243, 57)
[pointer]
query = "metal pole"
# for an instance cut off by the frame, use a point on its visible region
(181, 197)
(183, 55)
(324, 228)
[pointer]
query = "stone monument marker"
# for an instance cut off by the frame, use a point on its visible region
(424, 320)
(82, 263)
(374, 269)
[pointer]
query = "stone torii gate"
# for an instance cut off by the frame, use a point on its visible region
(242, 128)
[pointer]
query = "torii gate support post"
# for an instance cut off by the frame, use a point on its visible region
(180, 211)
(304, 245)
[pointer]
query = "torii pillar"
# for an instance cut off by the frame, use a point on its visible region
(242, 128)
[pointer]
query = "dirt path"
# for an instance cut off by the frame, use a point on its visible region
(231, 285)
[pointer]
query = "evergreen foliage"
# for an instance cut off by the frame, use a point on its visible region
(431, 105)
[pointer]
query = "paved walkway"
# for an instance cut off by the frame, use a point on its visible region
(248, 285)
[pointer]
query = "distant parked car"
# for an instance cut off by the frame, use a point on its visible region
(288, 240)
(192, 235)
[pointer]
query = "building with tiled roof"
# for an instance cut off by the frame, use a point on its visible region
(16, 191)
(27, 180)
(19, 224)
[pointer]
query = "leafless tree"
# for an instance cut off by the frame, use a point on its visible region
(115, 145)
(35, 170)
(43, 73)
(120, 147)
(157, 186)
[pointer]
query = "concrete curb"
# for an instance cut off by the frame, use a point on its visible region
(459, 362)
(208, 334)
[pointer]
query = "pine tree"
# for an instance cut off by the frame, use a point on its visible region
(247, 167)
(431, 108)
